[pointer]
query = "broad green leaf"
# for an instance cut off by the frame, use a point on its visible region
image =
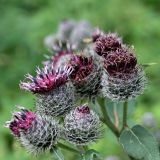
(92, 155)
(140, 143)
(57, 153)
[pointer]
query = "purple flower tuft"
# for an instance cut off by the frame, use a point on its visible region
(22, 121)
(106, 43)
(46, 80)
(85, 76)
(120, 62)
(83, 109)
(82, 67)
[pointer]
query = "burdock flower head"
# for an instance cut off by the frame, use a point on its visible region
(85, 75)
(82, 126)
(106, 43)
(55, 94)
(123, 78)
(36, 133)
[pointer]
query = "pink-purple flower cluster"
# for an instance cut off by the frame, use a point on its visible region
(22, 121)
(70, 77)
(46, 80)
(123, 78)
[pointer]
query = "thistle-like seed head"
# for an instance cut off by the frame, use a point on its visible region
(85, 76)
(123, 78)
(46, 80)
(82, 126)
(106, 43)
(35, 133)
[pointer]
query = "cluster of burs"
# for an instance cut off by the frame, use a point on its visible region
(86, 63)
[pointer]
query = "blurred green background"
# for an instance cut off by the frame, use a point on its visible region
(23, 27)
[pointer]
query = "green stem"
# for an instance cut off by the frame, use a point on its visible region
(82, 149)
(116, 118)
(85, 148)
(63, 146)
(106, 119)
(125, 112)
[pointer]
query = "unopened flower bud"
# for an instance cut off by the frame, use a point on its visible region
(82, 126)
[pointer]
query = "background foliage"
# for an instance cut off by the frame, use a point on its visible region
(25, 23)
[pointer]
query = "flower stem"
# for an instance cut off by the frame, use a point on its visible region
(82, 149)
(125, 112)
(106, 119)
(63, 146)
(116, 118)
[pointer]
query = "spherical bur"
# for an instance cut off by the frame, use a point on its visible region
(82, 126)
(106, 43)
(125, 86)
(46, 80)
(85, 76)
(56, 102)
(35, 133)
